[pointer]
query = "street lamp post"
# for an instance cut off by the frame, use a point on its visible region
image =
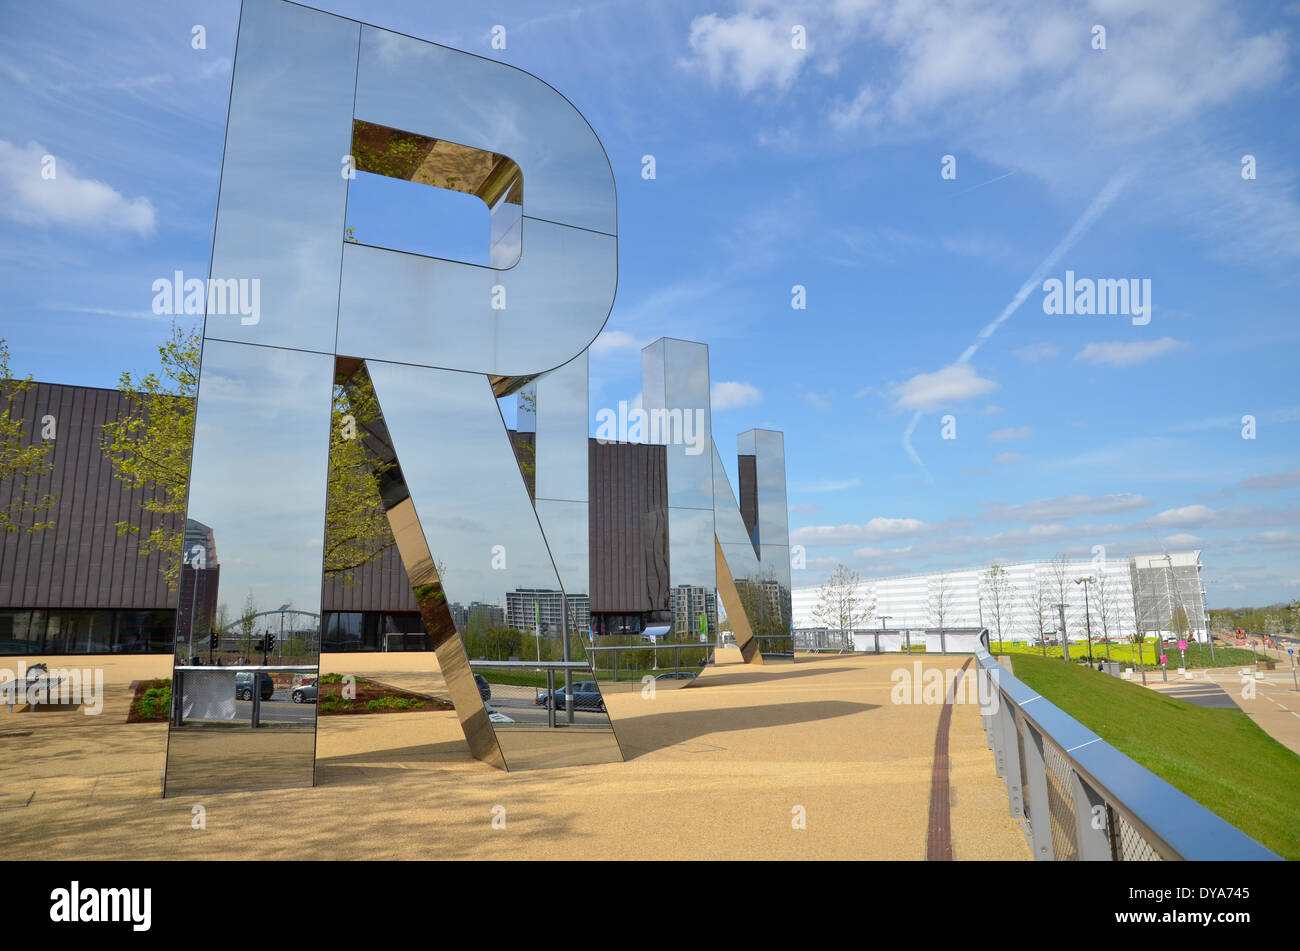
(1065, 640)
(280, 643)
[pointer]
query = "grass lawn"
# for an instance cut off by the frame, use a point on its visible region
(1218, 757)
(1198, 655)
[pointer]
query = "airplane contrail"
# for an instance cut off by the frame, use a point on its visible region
(1109, 192)
(967, 191)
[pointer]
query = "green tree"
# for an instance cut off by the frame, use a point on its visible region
(150, 444)
(22, 463)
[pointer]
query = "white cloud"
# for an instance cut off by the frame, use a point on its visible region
(1280, 480)
(874, 530)
(1009, 458)
(1064, 507)
(1279, 539)
(862, 110)
(943, 388)
(745, 51)
(66, 200)
(1189, 516)
(611, 340)
(1003, 435)
(1184, 540)
(732, 395)
(1121, 354)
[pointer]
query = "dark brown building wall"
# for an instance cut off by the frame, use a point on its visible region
(747, 470)
(628, 527)
(379, 585)
(81, 562)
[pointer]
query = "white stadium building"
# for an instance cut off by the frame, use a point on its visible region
(967, 599)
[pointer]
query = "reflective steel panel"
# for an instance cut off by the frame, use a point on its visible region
(492, 563)
(258, 478)
(280, 214)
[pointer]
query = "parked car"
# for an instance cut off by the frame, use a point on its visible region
(484, 688)
(676, 675)
(244, 685)
(586, 696)
(305, 692)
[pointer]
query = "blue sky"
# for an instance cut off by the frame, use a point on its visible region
(821, 167)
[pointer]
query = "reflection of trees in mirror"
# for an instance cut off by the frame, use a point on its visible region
(761, 602)
(150, 446)
(435, 613)
(356, 524)
(22, 463)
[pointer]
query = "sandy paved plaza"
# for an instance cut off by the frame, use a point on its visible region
(714, 770)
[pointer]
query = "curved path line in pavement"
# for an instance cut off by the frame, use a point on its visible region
(938, 840)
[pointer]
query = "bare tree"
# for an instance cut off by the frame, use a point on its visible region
(247, 622)
(1001, 595)
(840, 604)
(1107, 609)
(1061, 581)
(1037, 605)
(941, 603)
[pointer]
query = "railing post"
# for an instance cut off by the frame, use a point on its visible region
(1011, 760)
(983, 681)
(257, 697)
(1040, 810)
(1093, 837)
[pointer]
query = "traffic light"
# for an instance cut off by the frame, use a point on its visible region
(270, 642)
(261, 644)
(213, 641)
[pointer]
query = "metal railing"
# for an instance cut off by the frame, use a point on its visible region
(1080, 799)
(599, 653)
(776, 646)
(565, 668)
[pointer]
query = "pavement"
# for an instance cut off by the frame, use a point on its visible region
(785, 761)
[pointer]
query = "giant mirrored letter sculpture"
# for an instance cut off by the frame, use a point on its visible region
(413, 351)
(740, 549)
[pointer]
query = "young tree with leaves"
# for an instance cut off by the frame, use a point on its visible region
(150, 444)
(22, 463)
